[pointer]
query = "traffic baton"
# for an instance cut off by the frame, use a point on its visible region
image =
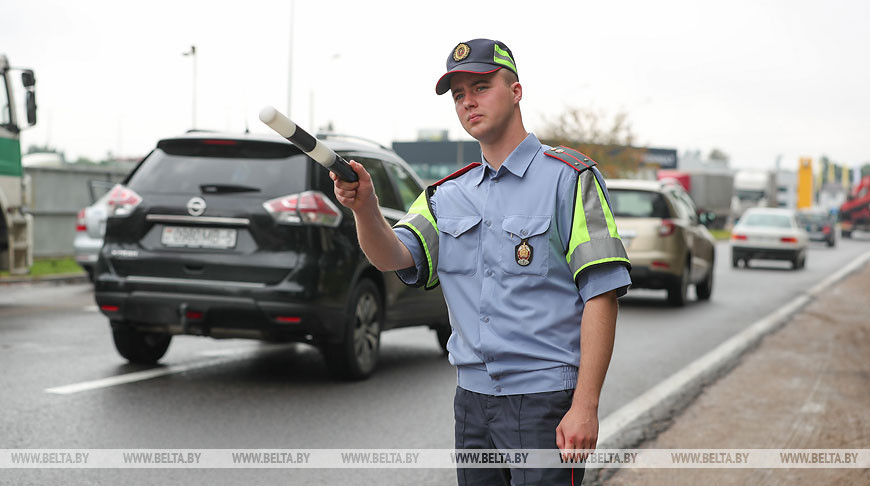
(312, 147)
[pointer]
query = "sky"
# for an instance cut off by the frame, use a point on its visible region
(759, 80)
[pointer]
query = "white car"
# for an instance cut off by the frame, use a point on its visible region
(768, 234)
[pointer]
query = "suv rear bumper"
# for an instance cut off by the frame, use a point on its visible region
(747, 253)
(647, 278)
(271, 313)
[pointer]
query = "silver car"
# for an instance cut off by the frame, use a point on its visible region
(90, 228)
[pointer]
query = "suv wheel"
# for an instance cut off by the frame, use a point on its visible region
(705, 289)
(140, 347)
(678, 289)
(356, 356)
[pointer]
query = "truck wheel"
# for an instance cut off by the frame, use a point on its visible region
(677, 290)
(140, 347)
(704, 290)
(355, 357)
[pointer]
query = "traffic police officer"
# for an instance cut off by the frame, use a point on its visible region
(525, 247)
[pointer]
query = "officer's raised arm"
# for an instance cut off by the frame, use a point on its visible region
(376, 237)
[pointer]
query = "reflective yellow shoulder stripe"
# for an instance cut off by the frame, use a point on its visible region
(594, 236)
(579, 231)
(420, 221)
(608, 215)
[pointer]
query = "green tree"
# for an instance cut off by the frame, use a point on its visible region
(607, 140)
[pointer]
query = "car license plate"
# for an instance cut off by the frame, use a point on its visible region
(187, 237)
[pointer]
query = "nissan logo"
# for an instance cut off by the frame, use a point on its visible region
(196, 206)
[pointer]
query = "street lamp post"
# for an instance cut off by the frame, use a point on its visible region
(192, 54)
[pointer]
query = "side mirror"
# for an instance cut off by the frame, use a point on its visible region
(28, 79)
(30, 101)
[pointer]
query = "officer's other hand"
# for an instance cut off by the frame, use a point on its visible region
(578, 430)
(354, 195)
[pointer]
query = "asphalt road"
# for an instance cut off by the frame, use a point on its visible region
(243, 394)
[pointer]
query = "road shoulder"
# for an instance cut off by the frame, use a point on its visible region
(805, 386)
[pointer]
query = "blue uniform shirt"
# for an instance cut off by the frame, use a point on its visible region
(516, 329)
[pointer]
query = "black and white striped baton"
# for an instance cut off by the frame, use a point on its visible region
(312, 147)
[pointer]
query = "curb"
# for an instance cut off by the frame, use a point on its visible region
(652, 412)
(70, 278)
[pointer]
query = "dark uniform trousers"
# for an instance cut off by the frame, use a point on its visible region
(511, 422)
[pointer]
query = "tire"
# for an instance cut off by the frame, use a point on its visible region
(443, 333)
(704, 290)
(140, 347)
(831, 243)
(678, 290)
(356, 356)
(846, 234)
(735, 262)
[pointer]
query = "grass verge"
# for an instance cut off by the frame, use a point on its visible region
(51, 266)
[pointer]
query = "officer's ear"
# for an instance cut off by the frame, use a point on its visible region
(517, 91)
(513, 84)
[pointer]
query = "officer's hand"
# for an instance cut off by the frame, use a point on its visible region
(355, 195)
(577, 430)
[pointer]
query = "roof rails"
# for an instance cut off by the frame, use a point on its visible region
(333, 135)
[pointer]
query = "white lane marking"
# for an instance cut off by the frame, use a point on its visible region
(225, 357)
(90, 308)
(616, 425)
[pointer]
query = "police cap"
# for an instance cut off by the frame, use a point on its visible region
(479, 56)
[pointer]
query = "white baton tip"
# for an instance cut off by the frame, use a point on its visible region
(267, 114)
(277, 121)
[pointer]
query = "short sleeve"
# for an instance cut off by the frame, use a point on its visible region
(410, 275)
(603, 278)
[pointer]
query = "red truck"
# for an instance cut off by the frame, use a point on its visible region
(855, 212)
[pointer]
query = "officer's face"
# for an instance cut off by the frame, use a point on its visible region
(484, 103)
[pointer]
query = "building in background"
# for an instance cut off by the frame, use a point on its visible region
(434, 157)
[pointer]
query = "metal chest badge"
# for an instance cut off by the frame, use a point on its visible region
(524, 253)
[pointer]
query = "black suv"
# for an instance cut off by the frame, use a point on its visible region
(240, 236)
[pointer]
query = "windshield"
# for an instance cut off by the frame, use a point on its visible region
(638, 204)
(813, 218)
(769, 220)
(749, 195)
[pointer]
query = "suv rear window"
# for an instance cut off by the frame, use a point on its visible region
(273, 169)
(638, 204)
(766, 219)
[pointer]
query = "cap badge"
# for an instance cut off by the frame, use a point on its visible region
(461, 52)
(524, 253)
(559, 151)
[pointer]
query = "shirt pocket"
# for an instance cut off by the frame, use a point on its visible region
(458, 244)
(533, 230)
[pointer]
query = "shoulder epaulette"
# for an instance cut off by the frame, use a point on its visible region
(575, 159)
(457, 173)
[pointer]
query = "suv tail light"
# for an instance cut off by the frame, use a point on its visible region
(788, 239)
(80, 222)
(122, 201)
(309, 207)
(667, 228)
(736, 236)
